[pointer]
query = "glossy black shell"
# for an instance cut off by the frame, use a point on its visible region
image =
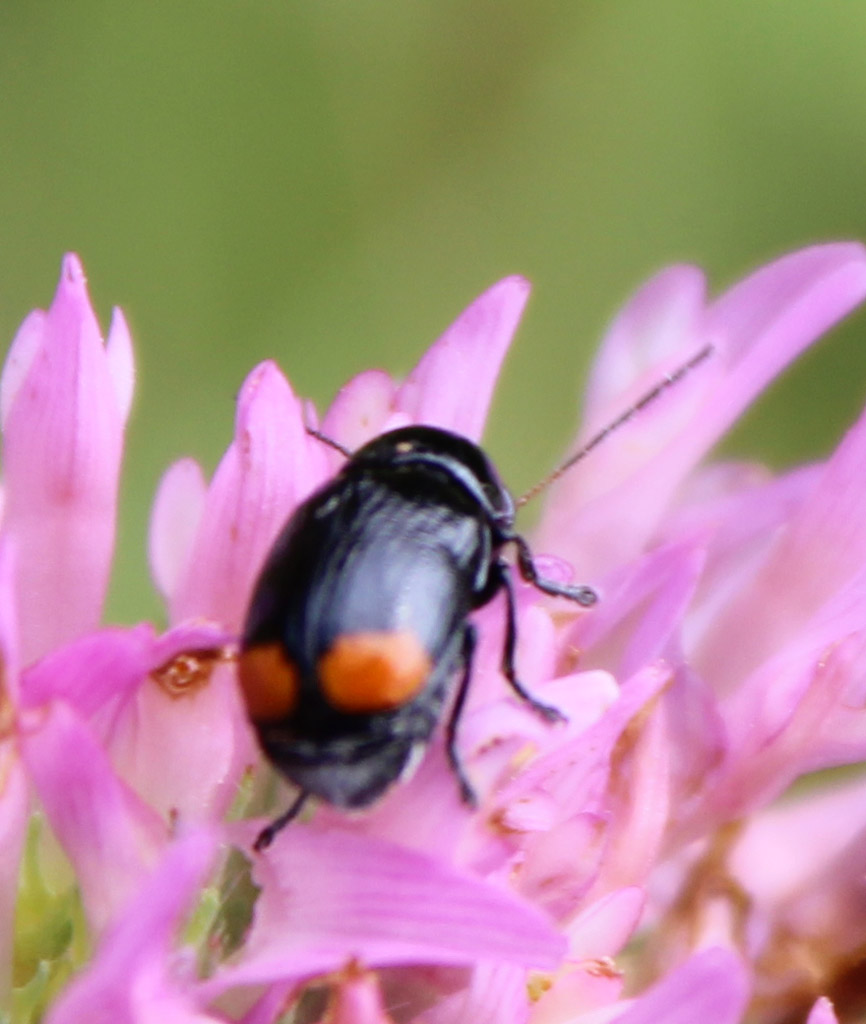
(403, 538)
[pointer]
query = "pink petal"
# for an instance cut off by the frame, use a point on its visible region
(698, 739)
(121, 362)
(134, 977)
(9, 645)
(425, 811)
(192, 637)
(711, 986)
(814, 901)
(548, 810)
(452, 385)
(604, 927)
(601, 513)
(642, 609)
(496, 736)
(361, 409)
(496, 994)
(829, 913)
(821, 549)
(269, 1007)
(822, 1013)
(742, 509)
(332, 896)
(574, 774)
(738, 501)
(604, 511)
(271, 465)
(639, 803)
(561, 862)
(62, 443)
(770, 318)
(357, 999)
(108, 666)
(166, 709)
(580, 987)
(660, 322)
(842, 736)
(583, 697)
(25, 347)
(111, 837)
(822, 823)
(185, 749)
(92, 671)
(796, 298)
(779, 716)
(174, 522)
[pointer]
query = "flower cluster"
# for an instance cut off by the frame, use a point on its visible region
(653, 858)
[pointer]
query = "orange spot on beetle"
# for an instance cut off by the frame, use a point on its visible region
(270, 683)
(365, 673)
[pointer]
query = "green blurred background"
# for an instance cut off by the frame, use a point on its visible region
(330, 183)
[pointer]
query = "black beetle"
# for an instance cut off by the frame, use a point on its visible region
(359, 622)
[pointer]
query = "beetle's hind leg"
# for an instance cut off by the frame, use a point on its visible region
(509, 670)
(467, 792)
(584, 596)
(269, 832)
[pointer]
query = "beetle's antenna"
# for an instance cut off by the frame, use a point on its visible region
(341, 448)
(646, 399)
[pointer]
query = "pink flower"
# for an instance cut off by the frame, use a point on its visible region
(135, 977)
(356, 999)
(65, 398)
(724, 661)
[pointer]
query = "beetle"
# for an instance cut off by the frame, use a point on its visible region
(358, 637)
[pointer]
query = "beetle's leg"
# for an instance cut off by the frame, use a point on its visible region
(467, 793)
(509, 670)
(269, 832)
(585, 596)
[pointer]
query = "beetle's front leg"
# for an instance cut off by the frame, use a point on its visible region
(509, 648)
(584, 596)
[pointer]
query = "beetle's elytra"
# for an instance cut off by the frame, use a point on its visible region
(359, 622)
